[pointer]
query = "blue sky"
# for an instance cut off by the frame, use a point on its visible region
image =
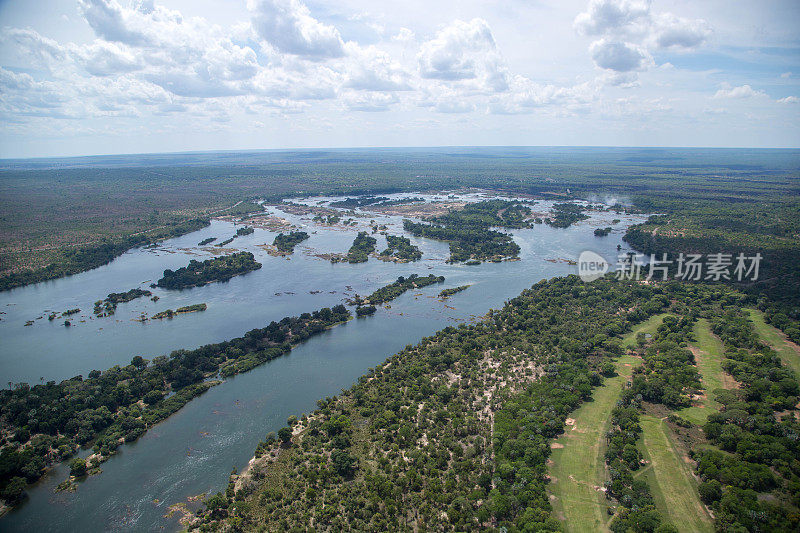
(81, 77)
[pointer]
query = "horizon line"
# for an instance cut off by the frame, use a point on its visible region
(406, 147)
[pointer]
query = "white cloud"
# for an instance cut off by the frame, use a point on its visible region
(35, 49)
(789, 100)
(743, 91)
(630, 31)
(675, 32)
(369, 101)
(404, 35)
(103, 58)
(619, 56)
(464, 51)
(374, 70)
(289, 27)
(604, 16)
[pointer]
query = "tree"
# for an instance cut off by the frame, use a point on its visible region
(139, 362)
(77, 467)
(343, 463)
(285, 434)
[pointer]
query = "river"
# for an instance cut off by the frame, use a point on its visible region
(193, 451)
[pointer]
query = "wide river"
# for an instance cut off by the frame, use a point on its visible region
(193, 451)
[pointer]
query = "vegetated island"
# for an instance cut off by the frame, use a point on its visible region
(169, 313)
(363, 245)
(198, 273)
(53, 315)
(449, 292)
(400, 250)
(602, 232)
(396, 288)
(352, 203)
(468, 230)
(327, 220)
(206, 241)
(246, 230)
(565, 215)
(108, 306)
(285, 242)
(48, 423)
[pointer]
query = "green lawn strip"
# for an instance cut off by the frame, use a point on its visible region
(671, 482)
(577, 463)
(578, 467)
(708, 351)
(787, 350)
(648, 326)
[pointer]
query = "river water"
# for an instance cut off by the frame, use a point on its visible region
(193, 451)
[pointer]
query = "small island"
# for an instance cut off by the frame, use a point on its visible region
(206, 241)
(449, 292)
(108, 306)
(469, 233)
(393, 290)
(565, 215)
(602, 232)
(363, 245)
(198, 273)
(169, 313)
(285, 242)
(400, 250)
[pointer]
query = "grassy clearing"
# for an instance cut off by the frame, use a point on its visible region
(788, 351)
(671, 482)
(648, 326)
(708, 352)
(577, 467)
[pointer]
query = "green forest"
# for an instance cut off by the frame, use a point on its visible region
(454, 433)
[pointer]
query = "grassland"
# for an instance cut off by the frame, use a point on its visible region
(648, 327)
(788, 351)
(671, 482)
(708, 354)
(577, 467)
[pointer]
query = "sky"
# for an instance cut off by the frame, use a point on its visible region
(83, 77)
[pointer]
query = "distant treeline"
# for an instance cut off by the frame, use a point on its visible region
(216, 269)
(95, 255)
(47, 423)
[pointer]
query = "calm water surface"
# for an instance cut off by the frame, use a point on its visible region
(193, 451)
